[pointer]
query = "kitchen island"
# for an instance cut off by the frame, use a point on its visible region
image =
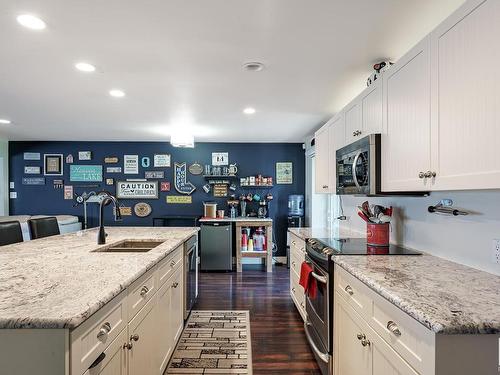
(65, 301)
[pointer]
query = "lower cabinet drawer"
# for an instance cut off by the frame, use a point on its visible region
(113, 360)
(296, 263)
(93, 336)
(168, 265)
(140, 292)
(297, 245)
(354, 291)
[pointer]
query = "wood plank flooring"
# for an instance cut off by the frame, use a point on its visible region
(279, 345)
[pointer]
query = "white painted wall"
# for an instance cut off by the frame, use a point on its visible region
(463, 239)
(4, 177)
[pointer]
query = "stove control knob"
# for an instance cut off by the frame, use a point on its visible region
(312, 242)
(327, 251)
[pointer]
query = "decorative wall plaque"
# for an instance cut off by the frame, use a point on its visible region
(31, 156)
(114, 170)
(145, 162)
(179, 199)
(111, 160)
(31, 170)
(53, 164)
(85, 173)
(69, 159)
(142, 209)
(196, 169)
(68, 192)
(220, 190)
(220, 158)
(33, 181)
(165, 186)
(284, 173)
(180, 179)
(84, 155)
(154, 174)
(161, 161)
(58, 184)
(137, 190)
(110, 181)
(131, 164)
(125, 211)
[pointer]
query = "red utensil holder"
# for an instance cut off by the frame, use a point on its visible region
(377, 234)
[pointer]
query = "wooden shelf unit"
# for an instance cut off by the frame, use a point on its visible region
(266, 254)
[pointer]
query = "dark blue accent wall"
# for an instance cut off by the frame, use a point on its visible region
(251, 158)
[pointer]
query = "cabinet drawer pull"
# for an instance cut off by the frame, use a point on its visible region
(293, 264)
(175, 284)
(293, 243)
(349, 290)
(144, 291)
(302, 305)
(172, 263)
(105, 329)
(421, 174)
(134, 337)
(98, 360)
(361, 336)
(293, 290)
(393, 327)
(365, 342)
(127, 345)
(325, 186)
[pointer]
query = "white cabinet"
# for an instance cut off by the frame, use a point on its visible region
(406, 153)
(297, 256)
(177, 310)
(322, 160)
(466, 98)
(113, 361)
(353, 121)
(372, 109)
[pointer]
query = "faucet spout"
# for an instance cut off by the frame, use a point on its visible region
(101, 236)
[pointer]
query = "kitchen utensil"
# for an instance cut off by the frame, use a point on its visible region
(384, 219)
(366, 209)
(362, 210)
(377, 210)
(362, 216)
(388, 211)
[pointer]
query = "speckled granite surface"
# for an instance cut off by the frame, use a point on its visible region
(307, 232)
(444, 296)
(57, 282)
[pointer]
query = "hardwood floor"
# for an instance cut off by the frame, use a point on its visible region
(279, 345)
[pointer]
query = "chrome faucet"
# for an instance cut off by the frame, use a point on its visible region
(101, 237)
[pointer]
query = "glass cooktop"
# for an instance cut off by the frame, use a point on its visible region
(358, 246)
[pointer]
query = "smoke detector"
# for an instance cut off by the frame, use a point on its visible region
(253, 66)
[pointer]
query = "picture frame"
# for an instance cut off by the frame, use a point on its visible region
(53, 164)
(284, 173)
(162, 161)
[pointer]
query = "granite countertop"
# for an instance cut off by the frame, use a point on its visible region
(307, 232)
(58, 282)
(444, 296)
(236, 219)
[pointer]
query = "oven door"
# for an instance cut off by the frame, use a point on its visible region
(317, 326)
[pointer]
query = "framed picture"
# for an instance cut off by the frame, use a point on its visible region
(84, 155)
(161, 161)
(284, 172)
(131, 164)
(53, 164)
(137, 190)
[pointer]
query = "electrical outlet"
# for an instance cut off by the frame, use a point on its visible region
(495, 251)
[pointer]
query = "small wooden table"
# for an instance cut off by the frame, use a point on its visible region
(267, 225)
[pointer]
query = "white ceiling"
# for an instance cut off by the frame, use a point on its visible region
(180, 61)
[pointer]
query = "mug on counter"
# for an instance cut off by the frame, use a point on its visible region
(220, 214)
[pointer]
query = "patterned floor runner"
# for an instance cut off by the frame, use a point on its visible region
(214, 342)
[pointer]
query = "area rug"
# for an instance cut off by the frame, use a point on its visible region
(214, 342)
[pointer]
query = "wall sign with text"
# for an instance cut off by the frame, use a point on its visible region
(137, 190)
(182, 185)
(131, 164)
(161, 161)
(220, 158)
(85, 173)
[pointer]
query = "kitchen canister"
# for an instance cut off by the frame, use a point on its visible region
(377, 234)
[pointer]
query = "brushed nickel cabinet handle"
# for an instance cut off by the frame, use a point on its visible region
(349, 290)
(105, 329)
(365, 342)
(144, 291)
(361, 336)
(175, 284)
(293, 264)
(134, 337)
(393, 327)
(421, 175)
(293, 290)
(172, 263)
(127, 345)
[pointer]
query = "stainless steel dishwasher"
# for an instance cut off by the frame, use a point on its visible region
(216, 246)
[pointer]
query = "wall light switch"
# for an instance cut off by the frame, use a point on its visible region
(13, 195)
(495, 251)
(11, 185)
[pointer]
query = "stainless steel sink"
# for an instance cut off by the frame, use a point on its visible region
(130, 246)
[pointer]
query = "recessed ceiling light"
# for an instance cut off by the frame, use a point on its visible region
(115, 93)
(253, 66)
(249, 111)
(31, 22)
(182, 138)
(85, 67)
(5, 121)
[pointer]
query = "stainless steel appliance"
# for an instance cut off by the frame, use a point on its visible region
(358, 167)
(190, 274)
(319, 324)
(216, 246)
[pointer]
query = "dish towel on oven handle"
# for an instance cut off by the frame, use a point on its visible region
(307, 280)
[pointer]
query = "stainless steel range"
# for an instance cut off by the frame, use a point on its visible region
(319, 324)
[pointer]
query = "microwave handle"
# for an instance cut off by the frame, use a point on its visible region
(354, 163)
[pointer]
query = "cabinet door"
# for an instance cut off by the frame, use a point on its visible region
(142, 356)
(352, 358)
(386, 361)
(113, 361)
(337, 140)
(353, 122)
(371, 105)
(164, 332)
(322, 160)
(406, 146)
(177, 310)
(466, 98)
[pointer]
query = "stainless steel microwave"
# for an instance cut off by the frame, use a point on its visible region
(358, 167)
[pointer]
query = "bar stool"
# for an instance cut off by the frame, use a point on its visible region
(43, 227)
(10, 232)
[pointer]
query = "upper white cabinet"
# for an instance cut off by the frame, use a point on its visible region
(466, 98)
(322, 160)
(363, 116)
(406, 156)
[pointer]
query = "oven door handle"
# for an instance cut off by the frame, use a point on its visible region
(321, 279)
(354, 164)
(323, 356)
